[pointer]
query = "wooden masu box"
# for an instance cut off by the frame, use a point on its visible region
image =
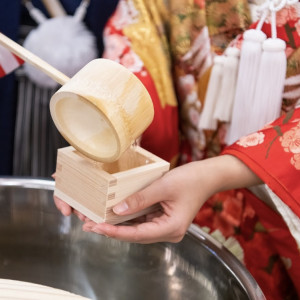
(93, 188)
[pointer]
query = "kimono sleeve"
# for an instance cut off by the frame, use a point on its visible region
(273, 154)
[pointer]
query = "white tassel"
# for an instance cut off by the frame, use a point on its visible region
(250, 57)
(81, 10)
(268, 95)
(270, 80)
(225, 100)
(246, 83)
(206, 120)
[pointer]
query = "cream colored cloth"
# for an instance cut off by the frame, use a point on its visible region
(16, 290)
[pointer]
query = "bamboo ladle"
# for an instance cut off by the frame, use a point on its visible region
(101, 110)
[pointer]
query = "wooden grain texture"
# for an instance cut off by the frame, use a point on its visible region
(94, 188)
(20, 290)
(102, 110)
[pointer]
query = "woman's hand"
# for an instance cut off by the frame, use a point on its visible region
(181, 193)
(179, 203)
(67, 210)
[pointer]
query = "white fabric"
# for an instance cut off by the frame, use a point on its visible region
(291, 220)
(8, 61)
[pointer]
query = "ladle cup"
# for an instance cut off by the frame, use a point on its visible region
(101, 110)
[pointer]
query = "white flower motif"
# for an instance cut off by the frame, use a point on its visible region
(125, 14)
(187, 83)
(115, 44)
(231, 244)
(132, 62)
(194, 116)
(192, 97)
(290, 140)
(295, 161)
(251, 140)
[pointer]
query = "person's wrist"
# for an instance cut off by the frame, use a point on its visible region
(230, 173)
(221, 173)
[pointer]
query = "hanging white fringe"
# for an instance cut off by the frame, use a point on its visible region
(223, 111)
(268, 97)
(250, 57)
(206, 120)
(64, 42)
(267, 100)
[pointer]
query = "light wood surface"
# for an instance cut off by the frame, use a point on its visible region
(102, 110)
(33, 59)
(94, 188)
(54, 8)
(20, 290)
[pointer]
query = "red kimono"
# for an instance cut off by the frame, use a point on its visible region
(158, 42)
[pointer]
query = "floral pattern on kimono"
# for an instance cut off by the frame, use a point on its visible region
(272, 153)
(169, 45)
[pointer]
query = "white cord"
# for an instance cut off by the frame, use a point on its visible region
(35, 13)
(273, 24)
(262, 19)
(280, 6)
(81, 10)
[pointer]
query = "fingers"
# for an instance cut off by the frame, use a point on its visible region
(65, 208)
(80, 216)
(144, 233)
(141, 200)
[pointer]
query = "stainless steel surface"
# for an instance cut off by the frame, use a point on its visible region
(38, 244)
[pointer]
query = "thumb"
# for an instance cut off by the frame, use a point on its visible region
(140, 200)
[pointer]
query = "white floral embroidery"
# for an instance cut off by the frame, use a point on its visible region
(251, 140)
(290, 141)
(295, 161)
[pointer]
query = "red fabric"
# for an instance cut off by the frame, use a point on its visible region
(272, 154)
(2, 72)
(20, 60)
(8, 62)
(263, 237)
(161, 137)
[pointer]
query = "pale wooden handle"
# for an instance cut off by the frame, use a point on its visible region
(33, 59)
(54, 8)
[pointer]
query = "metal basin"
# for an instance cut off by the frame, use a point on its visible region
(38, 244)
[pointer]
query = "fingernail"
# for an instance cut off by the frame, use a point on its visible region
(120, 208)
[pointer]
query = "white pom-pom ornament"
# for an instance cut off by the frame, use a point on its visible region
(64, 42)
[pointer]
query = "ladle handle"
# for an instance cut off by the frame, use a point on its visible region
(33, 59)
